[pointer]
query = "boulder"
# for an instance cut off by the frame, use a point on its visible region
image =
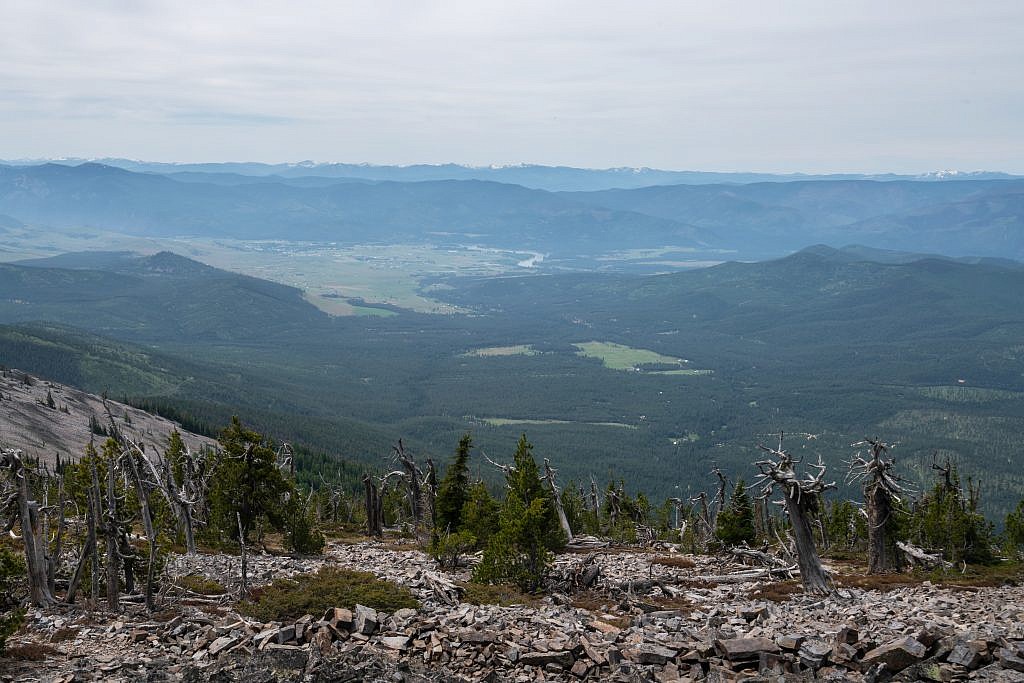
(366, 620)
(897, 654)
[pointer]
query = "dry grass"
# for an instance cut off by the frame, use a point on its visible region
(501, 595)
(676, 561)
(66, 633)
(592, 601)
(30, 652)
(678, 603)
(778, 592)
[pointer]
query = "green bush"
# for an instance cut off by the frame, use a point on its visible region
(448, 548)
(316, 593)
(12, 575)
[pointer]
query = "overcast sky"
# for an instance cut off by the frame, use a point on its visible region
(899, 85)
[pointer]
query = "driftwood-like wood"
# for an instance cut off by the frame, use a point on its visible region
(549, 477)
(802, 500)
(374, 508)
(917, 555)
(111, 531)
(23, 508)
(881, 495)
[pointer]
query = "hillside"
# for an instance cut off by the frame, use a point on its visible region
(976, 217)
(653, 379)
(29, 424)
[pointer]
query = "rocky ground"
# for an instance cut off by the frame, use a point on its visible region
(643, 620)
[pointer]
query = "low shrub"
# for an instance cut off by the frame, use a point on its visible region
(200, 584)
(316, 593)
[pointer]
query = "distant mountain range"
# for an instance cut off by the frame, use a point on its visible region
(553, 178)
(979, 217)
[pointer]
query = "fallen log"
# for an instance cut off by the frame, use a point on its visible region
(915, 554)
(742, 553)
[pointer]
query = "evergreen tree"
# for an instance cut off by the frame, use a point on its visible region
(50, 403)
(480, 514)
(736, 520)
(453, 492)
(948, 519)
(1014, 533)
(528, 532)
(246, 484)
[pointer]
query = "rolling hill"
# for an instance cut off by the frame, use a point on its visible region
(652, 379)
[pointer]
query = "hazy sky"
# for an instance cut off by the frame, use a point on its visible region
(899, 85)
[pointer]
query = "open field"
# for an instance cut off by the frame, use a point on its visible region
(621, 357)
(492, 351)
(504, 422)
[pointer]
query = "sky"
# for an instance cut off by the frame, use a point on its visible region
(778, 86)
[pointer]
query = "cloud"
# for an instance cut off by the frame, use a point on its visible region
(795, 85)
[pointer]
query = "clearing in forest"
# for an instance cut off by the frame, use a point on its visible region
(622, 357)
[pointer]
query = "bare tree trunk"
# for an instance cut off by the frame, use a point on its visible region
(95, 522)
(802, 498)
(147, 523)
(58, 544)
(374, 518)
(244, 590)
(113, 556)
(549, 475)
(412, 478)
(812, 574)
(431, 492)
(88, 550)
(31, 533)
(882, 555)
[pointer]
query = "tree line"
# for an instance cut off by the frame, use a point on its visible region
(100, 528)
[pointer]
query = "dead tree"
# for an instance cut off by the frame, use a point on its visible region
(243, 589)
(549, 476)
(719, 505)
(703, 527)
(430, 491)
(110, 527)
(374, 508)
(21, 507)
(143, 489)
(802, 499)
(881, 496)
(412, 475)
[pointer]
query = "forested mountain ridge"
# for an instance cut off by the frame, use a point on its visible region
(649, 378)
(155, 298)
(982, 217)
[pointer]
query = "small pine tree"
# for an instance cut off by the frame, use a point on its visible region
(1014, 532)
(480, 514)
(947, 519)
(50, 403)
(736, 520)
(528, 532)
(453, 492)
(246, 483)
